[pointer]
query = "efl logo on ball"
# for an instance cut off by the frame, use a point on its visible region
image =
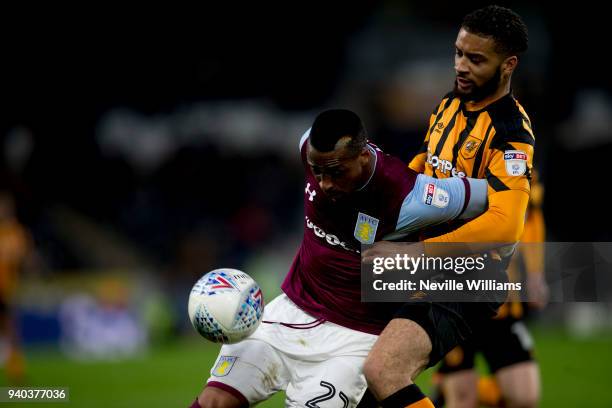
(225, 305)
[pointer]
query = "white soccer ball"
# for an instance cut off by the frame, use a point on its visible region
(225, 305)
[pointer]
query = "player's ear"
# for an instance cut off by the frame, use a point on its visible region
(364, 156)
(509, 65)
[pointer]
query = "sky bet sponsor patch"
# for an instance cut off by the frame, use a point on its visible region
(516, 162)
(435, 196)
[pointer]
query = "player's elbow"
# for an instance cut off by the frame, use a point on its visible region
(508, 212)
(511, 232)
(507, 226)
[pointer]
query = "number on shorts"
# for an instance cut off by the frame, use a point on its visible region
(331, 391)
(344, 399)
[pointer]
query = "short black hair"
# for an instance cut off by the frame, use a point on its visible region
(501, 24)
(332, 125)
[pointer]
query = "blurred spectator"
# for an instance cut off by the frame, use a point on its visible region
(15, 246)
(101, 327)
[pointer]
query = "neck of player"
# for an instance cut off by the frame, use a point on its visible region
(370, 167)
(502, 90)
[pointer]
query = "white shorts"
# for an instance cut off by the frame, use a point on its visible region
(318, 363)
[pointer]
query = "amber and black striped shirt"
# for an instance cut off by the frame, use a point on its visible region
(495, 142)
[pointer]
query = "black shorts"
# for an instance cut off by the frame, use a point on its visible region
(502, 342)
(447, 324)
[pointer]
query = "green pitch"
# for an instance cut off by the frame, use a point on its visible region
(575, 373)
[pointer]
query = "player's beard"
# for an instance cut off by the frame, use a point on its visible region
(478, 93)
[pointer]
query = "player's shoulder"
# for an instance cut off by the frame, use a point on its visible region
(444, 103)
(392, 176)
(510, 122)
(392, 166)
(448, 97)
(303, 139)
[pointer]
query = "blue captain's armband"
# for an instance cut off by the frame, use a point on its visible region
(433, 201)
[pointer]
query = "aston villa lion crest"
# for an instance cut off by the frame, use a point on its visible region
(365, 228)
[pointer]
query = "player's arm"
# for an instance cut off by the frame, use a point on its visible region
(535, 232)
(534, 236)
(533, 247)
(508, 175)
(508, 196)
(433, 201)
(532, 250)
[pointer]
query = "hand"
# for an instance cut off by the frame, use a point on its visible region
(386, 249)
(537, 291)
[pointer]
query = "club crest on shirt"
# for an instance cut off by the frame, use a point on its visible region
(516, 162)
(470, 147)
(365, 228)
(224, 366)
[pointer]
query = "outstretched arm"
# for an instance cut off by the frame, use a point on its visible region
(433, 201)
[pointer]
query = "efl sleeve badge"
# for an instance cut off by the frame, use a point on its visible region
(516, 162)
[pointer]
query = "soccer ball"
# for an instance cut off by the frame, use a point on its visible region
(225, 305)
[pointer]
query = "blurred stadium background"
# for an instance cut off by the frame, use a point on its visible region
(146, 147)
